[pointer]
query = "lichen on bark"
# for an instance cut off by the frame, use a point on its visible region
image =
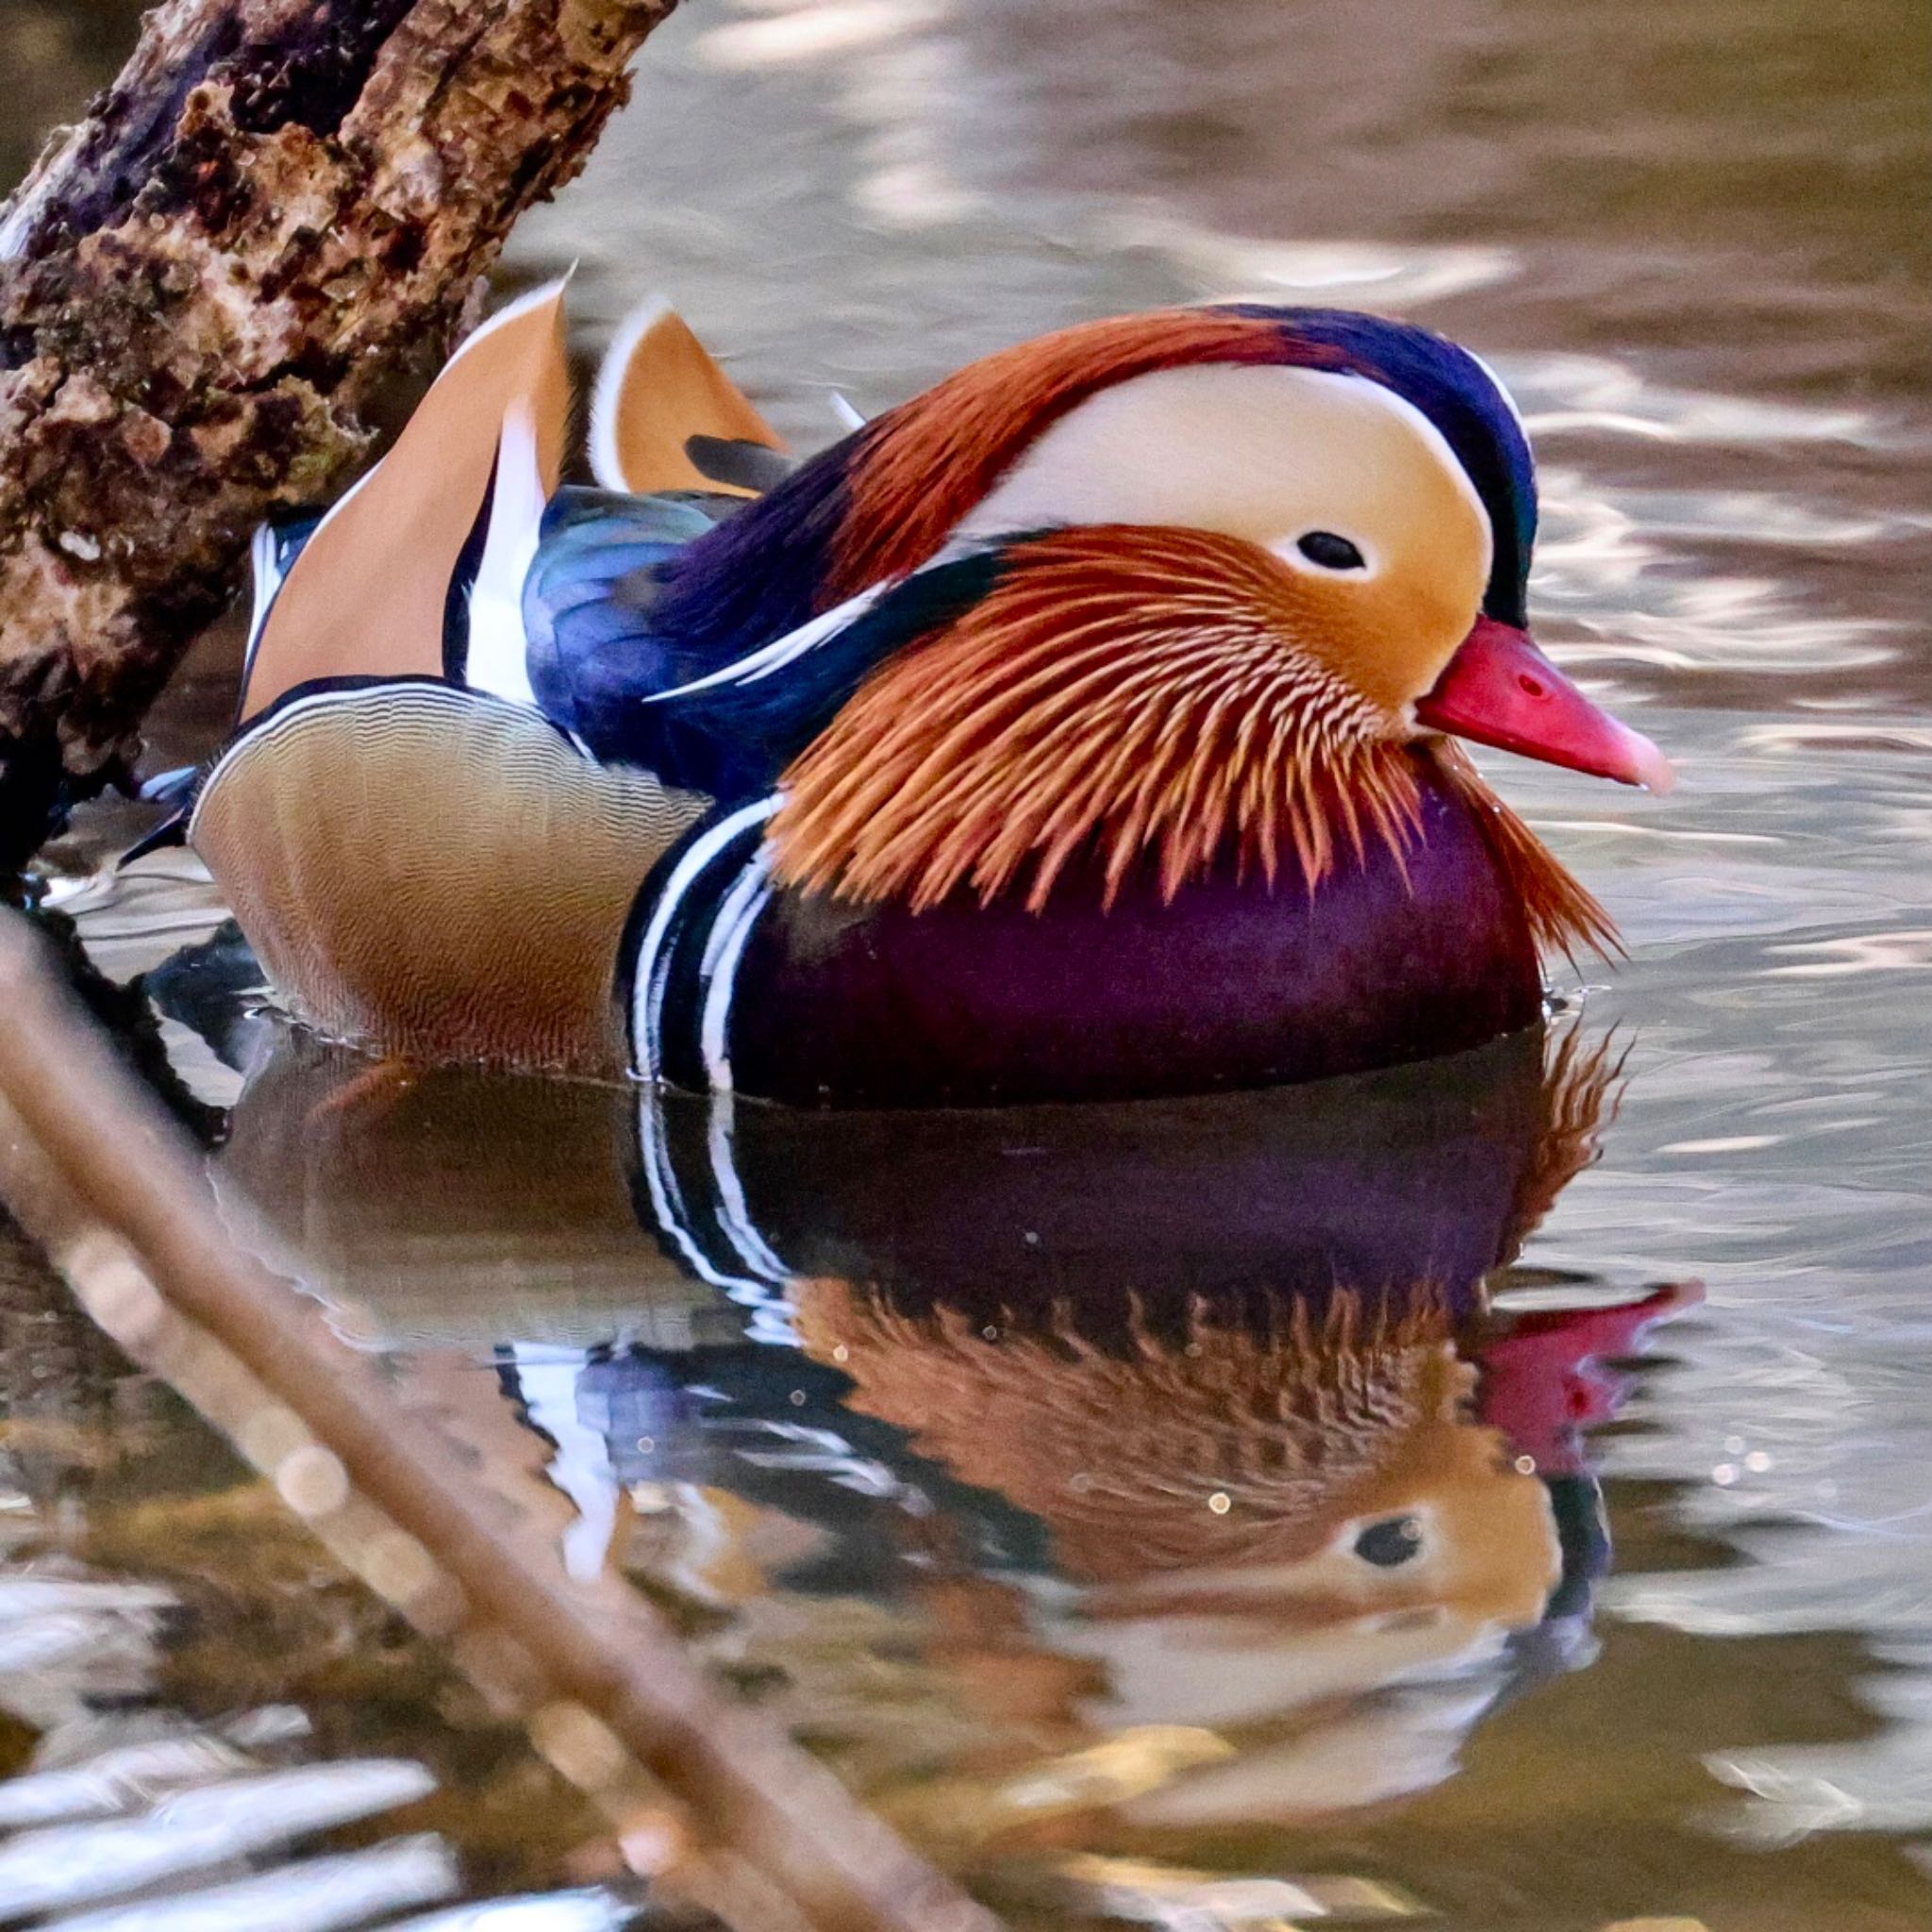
(204, 287)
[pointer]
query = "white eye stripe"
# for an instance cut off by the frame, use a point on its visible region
(1211, 445)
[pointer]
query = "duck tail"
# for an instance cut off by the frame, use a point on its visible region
(664, 416)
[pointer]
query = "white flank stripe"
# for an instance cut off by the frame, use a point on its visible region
(397, 702)
(267, 580)
(718, 973)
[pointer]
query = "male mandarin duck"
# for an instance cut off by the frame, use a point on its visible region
(1075, 730)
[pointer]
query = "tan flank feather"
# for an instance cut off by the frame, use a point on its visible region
(437, 873)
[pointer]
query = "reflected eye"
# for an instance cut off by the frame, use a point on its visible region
(1330, 551)
(1391, 1542)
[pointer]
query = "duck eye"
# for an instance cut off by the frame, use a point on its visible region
(1391, 1542)
(1330, 551)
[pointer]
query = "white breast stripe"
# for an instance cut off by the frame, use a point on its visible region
(647, 990)
(771, 1318)
(718, 973)
(667, 1203)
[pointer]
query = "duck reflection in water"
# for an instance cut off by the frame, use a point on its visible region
(1179, 1444)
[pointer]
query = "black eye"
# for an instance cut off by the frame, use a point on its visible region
(1330, 551)
(1390, 1543)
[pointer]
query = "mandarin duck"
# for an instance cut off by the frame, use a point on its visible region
(1084, 728)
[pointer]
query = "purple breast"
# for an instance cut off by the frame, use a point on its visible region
(1232, 983)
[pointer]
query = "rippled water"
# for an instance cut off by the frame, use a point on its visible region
(1190, 1516)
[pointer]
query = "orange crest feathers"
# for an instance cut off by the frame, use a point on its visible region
(1139, 689)
(1127, 691)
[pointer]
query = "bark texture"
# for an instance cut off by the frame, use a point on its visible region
(203, 289)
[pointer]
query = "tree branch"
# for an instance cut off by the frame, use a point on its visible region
(203, 288)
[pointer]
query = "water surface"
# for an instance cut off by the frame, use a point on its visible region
(1498, 1491)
